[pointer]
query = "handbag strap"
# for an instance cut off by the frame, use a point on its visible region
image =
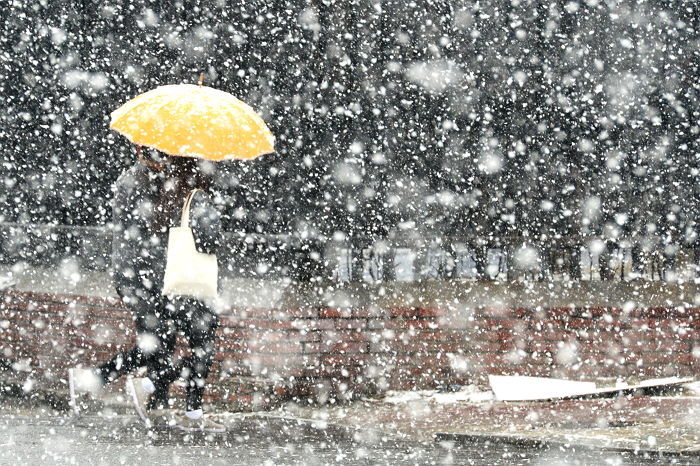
(185, 217)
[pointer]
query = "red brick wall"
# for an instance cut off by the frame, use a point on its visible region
(323, 353)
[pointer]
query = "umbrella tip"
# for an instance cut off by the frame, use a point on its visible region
(201, 79)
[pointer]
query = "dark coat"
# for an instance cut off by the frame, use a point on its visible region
(138, 250)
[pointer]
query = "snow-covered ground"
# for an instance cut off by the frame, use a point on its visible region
(469, 394)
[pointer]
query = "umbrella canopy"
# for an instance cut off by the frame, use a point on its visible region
(194, 121)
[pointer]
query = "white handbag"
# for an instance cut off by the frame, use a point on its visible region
(189, 272)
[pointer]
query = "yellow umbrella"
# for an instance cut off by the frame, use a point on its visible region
(194, 121)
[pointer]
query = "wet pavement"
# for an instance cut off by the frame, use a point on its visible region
(40, 436)
(659, 425)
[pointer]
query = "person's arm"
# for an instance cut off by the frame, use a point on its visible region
(205, 220)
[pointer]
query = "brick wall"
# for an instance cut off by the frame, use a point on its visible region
(323, 353)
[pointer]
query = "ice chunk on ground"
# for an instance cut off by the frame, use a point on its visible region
(6, 282)
(524, 388)
(468, 394)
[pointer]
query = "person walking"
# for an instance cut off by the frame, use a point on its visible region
(148, 200)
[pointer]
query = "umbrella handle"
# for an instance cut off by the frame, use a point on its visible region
(156, 166)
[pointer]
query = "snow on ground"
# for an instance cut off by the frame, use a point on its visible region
(469, 393)
(693, 387)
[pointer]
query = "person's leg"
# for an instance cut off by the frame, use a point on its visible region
(156, 335)
(147, 322)
(161, 369)
(202, 339)
(164, 371)
(199, 324)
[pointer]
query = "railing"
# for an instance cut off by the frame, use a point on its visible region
(509, 259)
(397, 258)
